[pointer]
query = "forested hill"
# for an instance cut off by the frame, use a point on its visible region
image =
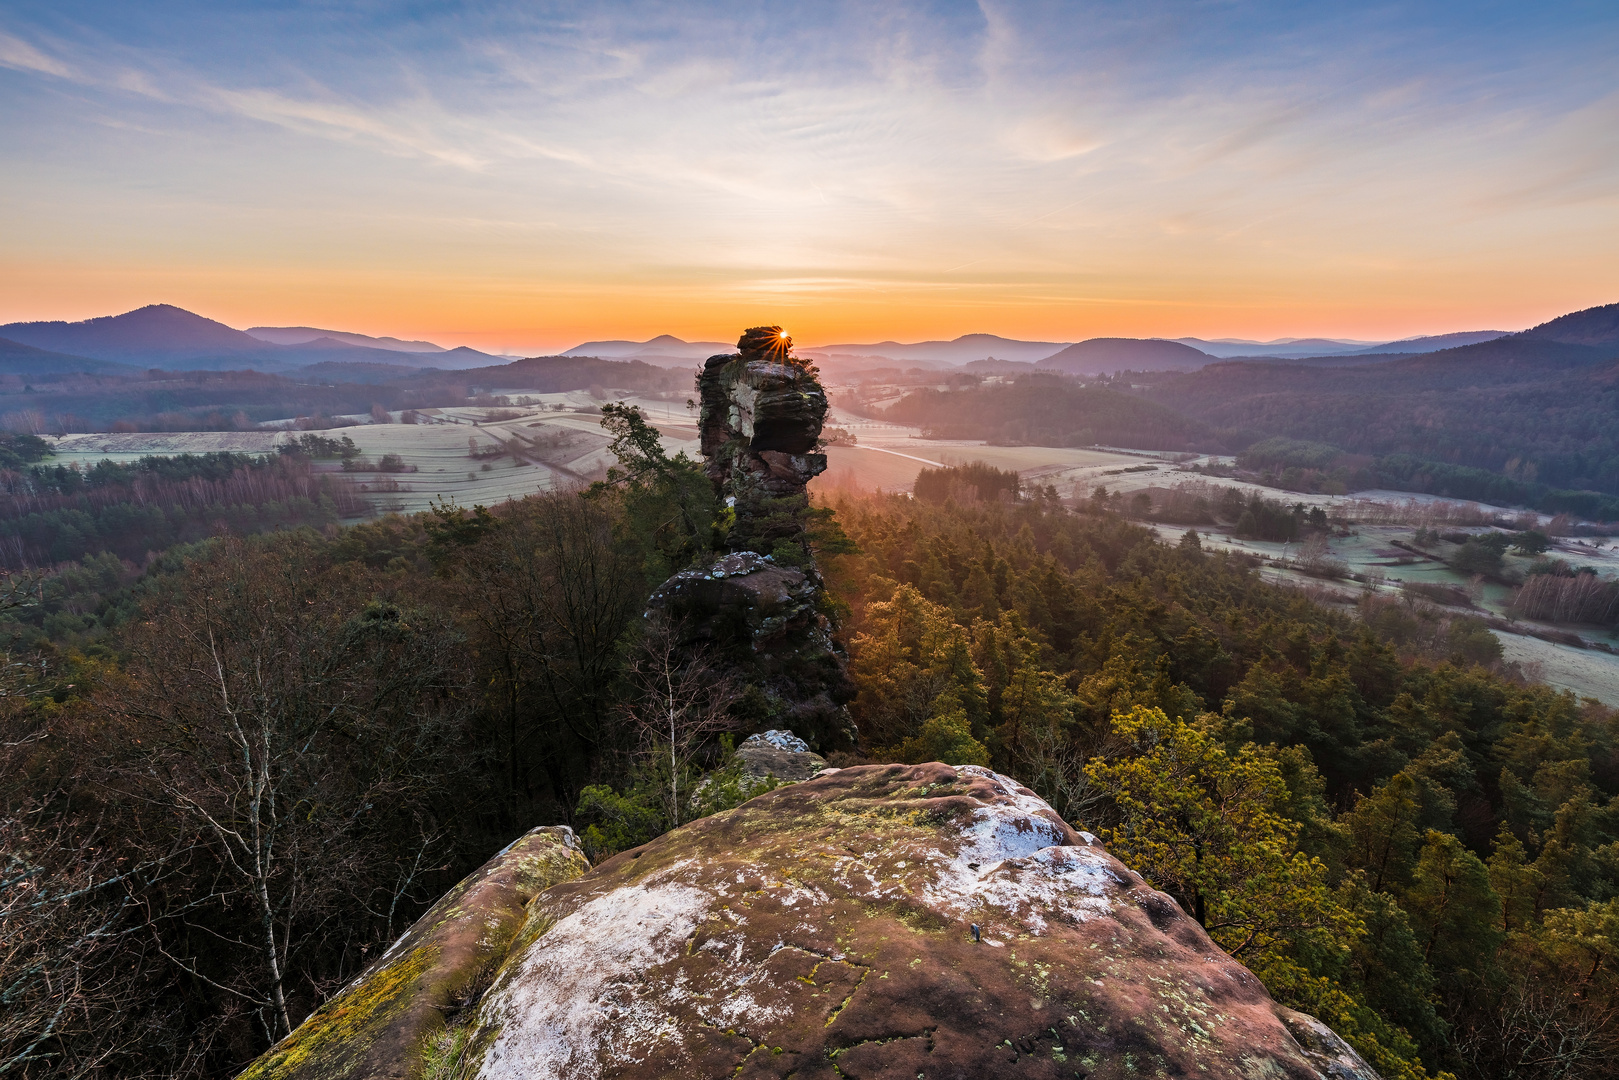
(1541, 409)
(1045, 410)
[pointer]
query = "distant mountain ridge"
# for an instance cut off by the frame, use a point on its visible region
(165, 336)
(300, 335)
(1593, 326)
(139, 336)
(958, 351)
(19, 359)
(665, 350)
(1102, 356)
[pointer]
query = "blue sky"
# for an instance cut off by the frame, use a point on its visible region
(526, 175)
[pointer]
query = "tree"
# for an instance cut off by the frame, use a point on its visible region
(946, 735)
(911, 653)
(669, 501)
(1452, 905)
(300, 732)
(677, 703)
(1205, 825)
(549, 594)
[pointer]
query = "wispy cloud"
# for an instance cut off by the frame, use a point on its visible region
(19, 55)
(1254, 149)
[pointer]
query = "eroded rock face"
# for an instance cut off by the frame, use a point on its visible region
(825, 930)
(762, 621)
(761, 418)
(383, 1023)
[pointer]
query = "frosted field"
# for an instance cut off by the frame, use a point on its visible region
(542, 449)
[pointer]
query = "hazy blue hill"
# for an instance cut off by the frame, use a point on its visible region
(665, 346)
(1284, 349)
(1433, 342)
(1531, 402)
(1593, 326)
(19, 359)
(172, 339)
(961, 350)
(1100, 356)
(299, 335)
(156, 335)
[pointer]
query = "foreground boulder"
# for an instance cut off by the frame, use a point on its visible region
(389, 1021)
(879, 922)
(777, 754)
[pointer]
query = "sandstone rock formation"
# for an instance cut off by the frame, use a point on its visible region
(385, 1022)
(826, 929)
(761, 418)
(761, 621)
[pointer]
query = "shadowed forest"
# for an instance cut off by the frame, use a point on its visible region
(231, 779)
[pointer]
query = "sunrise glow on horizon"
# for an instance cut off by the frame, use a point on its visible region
(522, 178)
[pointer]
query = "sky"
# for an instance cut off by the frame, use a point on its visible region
(526, 176)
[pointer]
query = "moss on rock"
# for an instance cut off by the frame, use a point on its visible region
(388, 1021)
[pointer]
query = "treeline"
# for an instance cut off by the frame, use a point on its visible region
(1046, 410)
(238, 400)
(1304, 465)
(1525, 409)
(54, 514)
(1412, 846)
(1405, 473)
(1568, 597)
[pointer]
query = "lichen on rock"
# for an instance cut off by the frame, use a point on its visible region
(826, 929)
(383, 1023)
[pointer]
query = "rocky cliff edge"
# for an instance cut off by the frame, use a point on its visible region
(884, 921)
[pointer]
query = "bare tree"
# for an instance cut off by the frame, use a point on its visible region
(73, 969)
(679, 701)
(550, 596)
(297, 729)
(1541, 1029)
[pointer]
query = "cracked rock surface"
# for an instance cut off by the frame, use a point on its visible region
(824, 930)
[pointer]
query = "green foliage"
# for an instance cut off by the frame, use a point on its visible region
(451, 529)
(1208, 825)
(946, 735)
(18, 451)
(1531, 542)
(620, 821)
(320, 447)
(1415, 828)
(1475, 557)
(975, 480)
(1281, 453)
(669, 502)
